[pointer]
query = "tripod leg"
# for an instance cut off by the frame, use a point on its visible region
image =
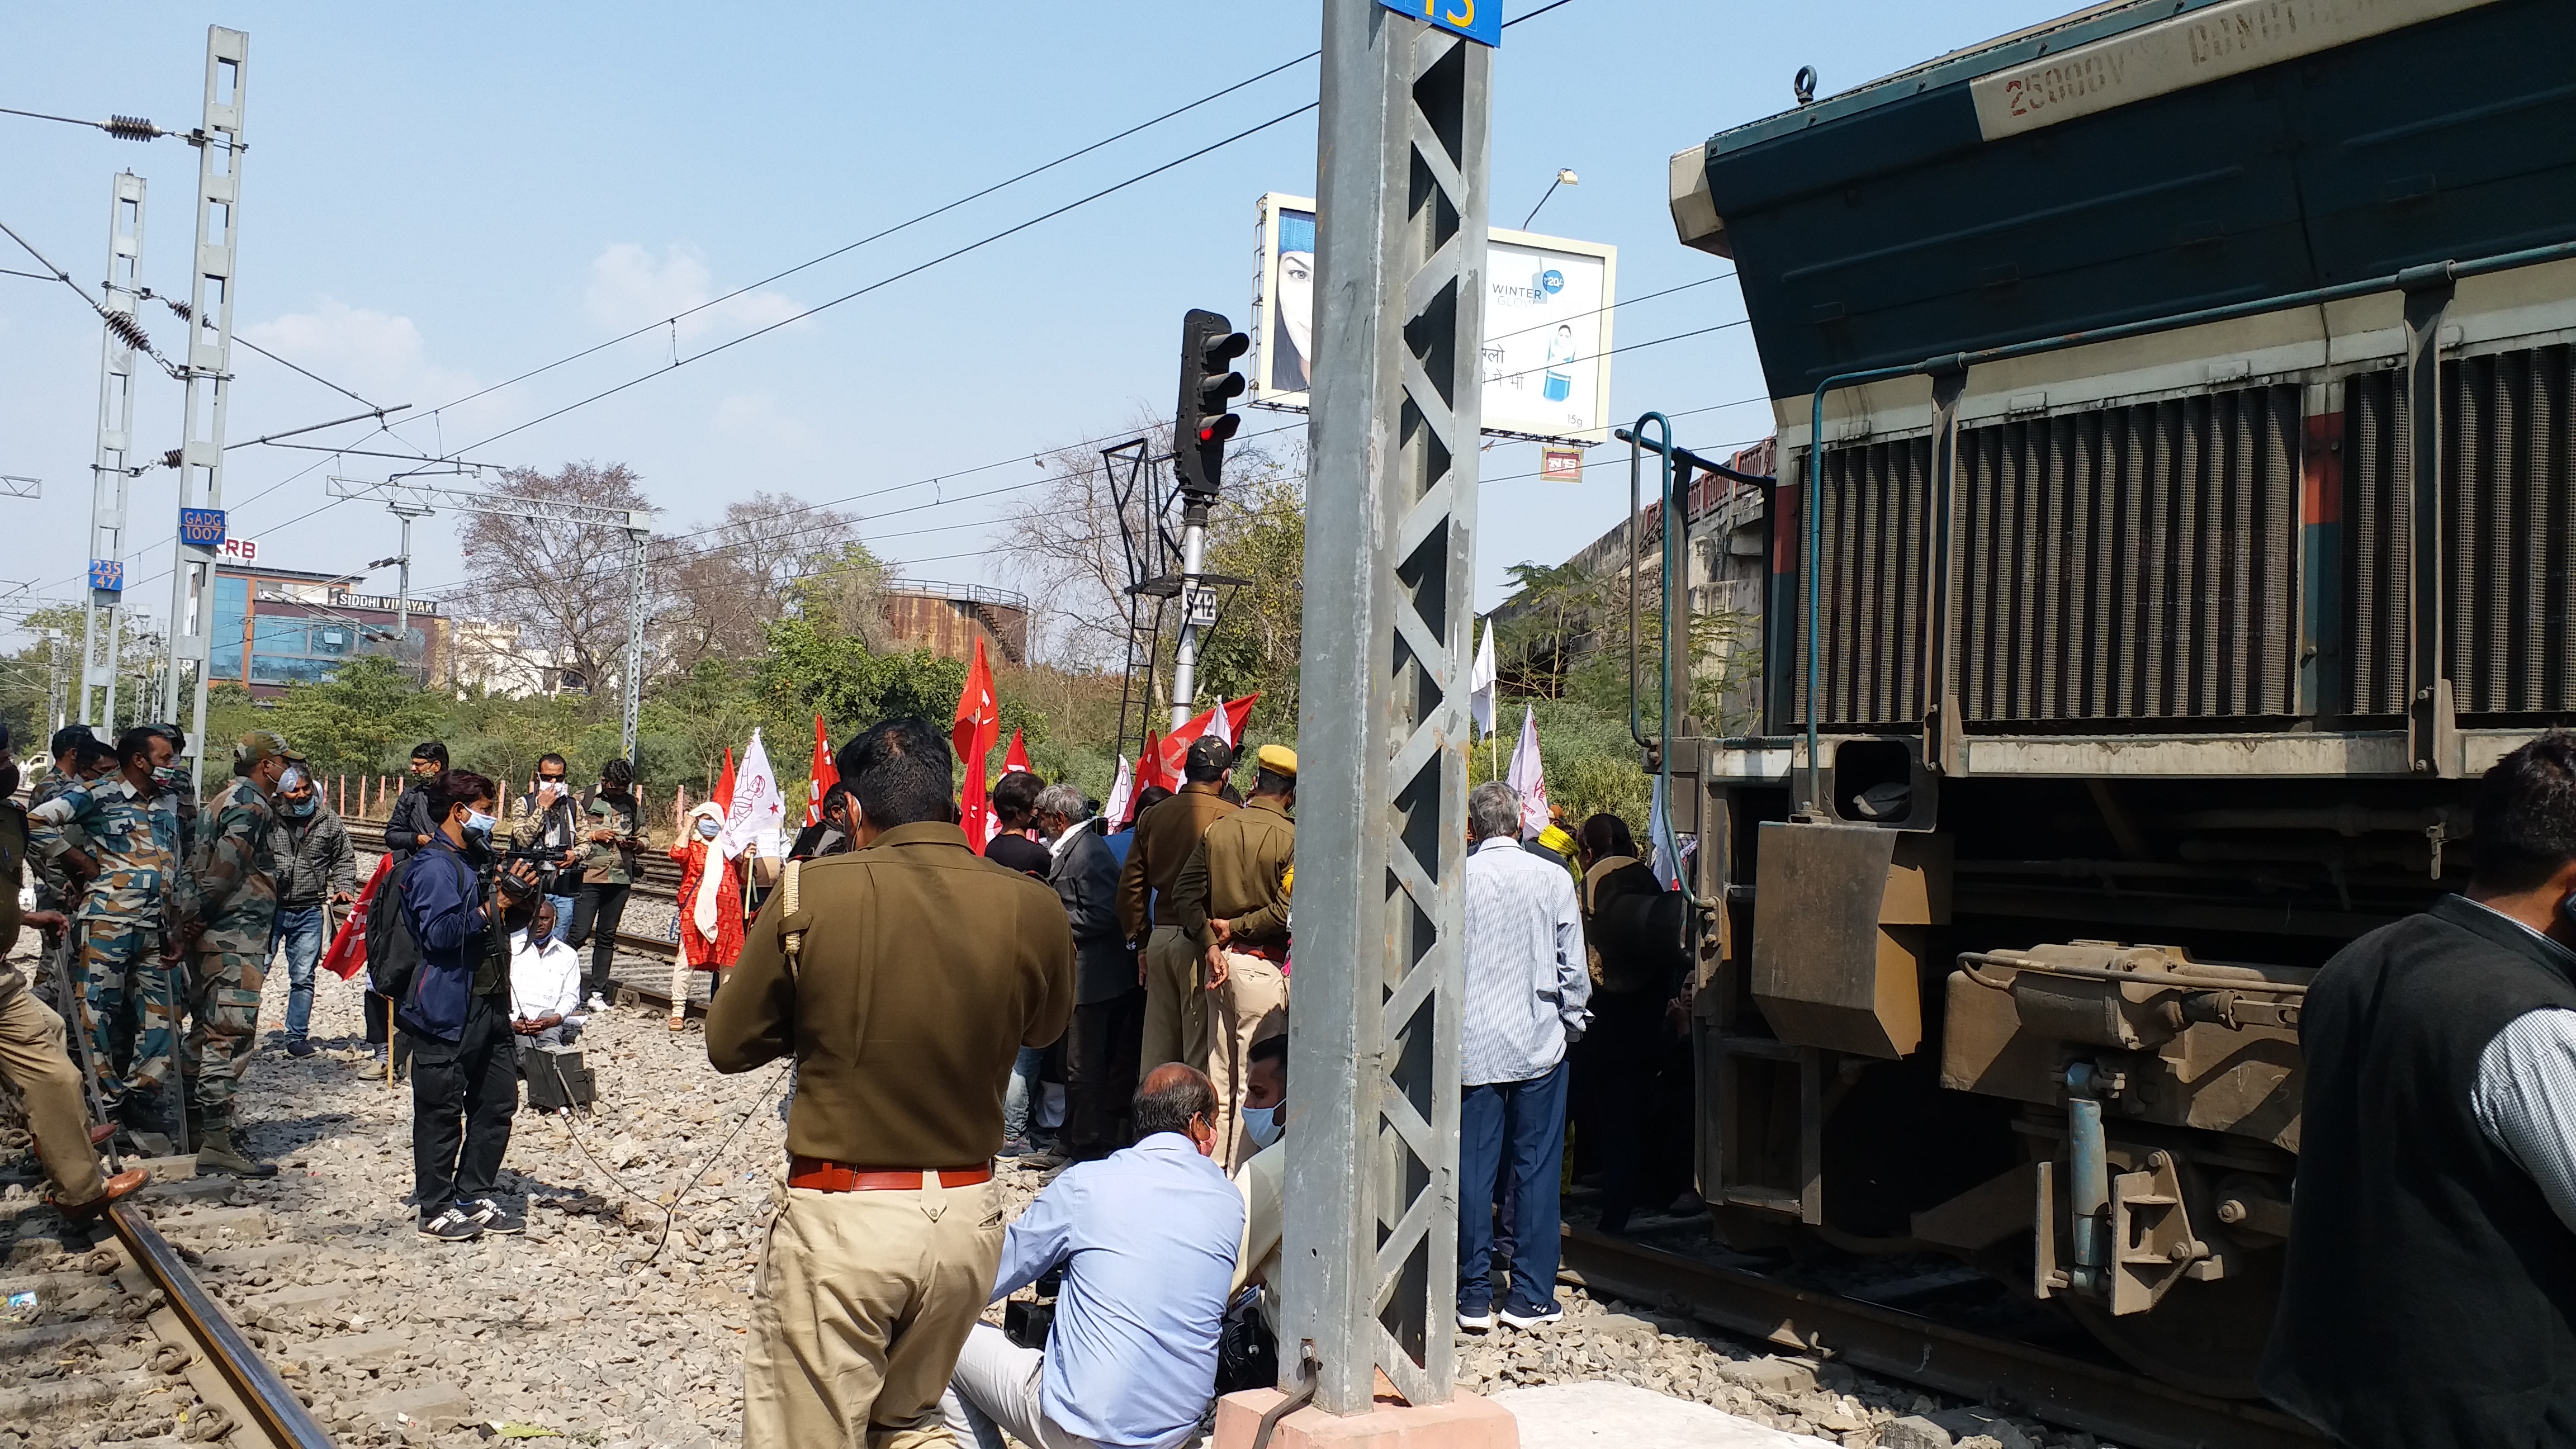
(76, 993)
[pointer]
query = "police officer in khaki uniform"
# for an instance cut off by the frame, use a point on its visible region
(904, 982)
(1232, 901)
(1175, 1006)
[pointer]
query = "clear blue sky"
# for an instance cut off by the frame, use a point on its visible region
(435, 200)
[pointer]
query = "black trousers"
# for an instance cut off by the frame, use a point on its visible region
(1628, 1050)
(595, 914)
(380, 1019)
(1102, 1051)
(462, 1096)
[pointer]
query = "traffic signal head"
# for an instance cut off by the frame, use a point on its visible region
(1209, 384)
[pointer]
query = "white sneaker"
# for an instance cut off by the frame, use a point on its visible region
(1551, 1314)
(596, 1005)
(1476, 1322)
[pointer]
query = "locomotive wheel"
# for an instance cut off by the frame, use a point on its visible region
(2205, 1337)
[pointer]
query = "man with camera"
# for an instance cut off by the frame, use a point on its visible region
(454, 1013)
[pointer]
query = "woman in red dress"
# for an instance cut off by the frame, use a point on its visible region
(709, 902)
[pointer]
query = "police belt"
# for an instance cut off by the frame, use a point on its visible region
(819, 1174)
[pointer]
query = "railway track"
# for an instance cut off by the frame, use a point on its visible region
(2127, 1408)
(133, 1338)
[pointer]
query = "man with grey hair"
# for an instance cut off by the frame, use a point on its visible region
(1108, 1032)
(1528, 983)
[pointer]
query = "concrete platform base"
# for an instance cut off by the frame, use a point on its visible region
(1623, 1416)
(1465, 1422)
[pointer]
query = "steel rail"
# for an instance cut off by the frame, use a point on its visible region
(2127, 1407)
(278, 1414)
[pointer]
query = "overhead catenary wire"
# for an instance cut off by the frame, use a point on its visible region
(123, 128)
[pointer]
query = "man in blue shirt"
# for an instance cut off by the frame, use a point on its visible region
(1147, 1239)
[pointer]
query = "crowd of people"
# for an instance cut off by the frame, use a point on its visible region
(1106, 999)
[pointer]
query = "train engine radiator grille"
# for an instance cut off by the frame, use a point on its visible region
(2125, 563)
(2508, 534)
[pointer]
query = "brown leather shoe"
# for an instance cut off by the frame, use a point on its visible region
(99, 1133)
(124, 1184)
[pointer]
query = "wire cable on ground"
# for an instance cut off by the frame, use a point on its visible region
(670, 1211)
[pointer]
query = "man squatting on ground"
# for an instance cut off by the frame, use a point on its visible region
(34, 1051)
(903, 981)
(1147, 1240)
(119, 836)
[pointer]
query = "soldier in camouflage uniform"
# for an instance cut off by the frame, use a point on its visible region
(227, 911)
(130, 868)
(73, 747)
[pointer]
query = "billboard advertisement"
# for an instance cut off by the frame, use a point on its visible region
(1548, 309)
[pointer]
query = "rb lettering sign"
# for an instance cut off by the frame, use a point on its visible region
(1479, 20)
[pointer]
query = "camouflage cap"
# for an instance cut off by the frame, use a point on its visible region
(257, 745)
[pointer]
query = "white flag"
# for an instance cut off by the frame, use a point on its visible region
(1480, 685)
(1528, 776)
(1115, 812)
(1666, 853)
(758, 807)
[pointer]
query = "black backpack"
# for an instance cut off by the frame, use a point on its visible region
(393, 953)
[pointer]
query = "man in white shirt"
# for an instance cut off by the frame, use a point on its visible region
(545, 983)
(1263, 1177)
(1528, 983)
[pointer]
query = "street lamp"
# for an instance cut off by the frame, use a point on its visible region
(1564, 177)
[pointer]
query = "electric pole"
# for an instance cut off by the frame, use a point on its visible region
(108, 476)
(211, 293)
(1372, 1250)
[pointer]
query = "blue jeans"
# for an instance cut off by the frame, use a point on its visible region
(563, 918)
(1022, 1093)
(299, 929)
(1517, 1127)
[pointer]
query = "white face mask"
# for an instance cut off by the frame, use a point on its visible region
(1261, 1124)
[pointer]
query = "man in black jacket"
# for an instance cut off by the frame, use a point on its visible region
(408, 828)
(1108, 1028)
(2430, 1292)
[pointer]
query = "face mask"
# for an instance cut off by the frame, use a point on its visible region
(479, 825)
(300, 808)
(708, 828)
(545, 784)
(1261, 1124)
(170, 777)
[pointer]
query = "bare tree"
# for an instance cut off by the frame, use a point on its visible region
(1066, 544)
(564, 585)
(730, 579)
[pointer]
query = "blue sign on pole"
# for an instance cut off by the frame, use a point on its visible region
(1479, 20)
(201, 527)
(107, 575)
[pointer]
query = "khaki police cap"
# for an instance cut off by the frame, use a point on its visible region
(257, 745)
(1278, 760)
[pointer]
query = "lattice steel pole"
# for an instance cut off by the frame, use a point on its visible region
(635, 595)
(1372, 1257)
(109, 481)
(220, 145)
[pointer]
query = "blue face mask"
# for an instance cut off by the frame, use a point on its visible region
(1261, 1124)
(299, 808)
(479, 825)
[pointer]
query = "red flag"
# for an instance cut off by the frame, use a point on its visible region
(1175, 749)
(976, 728)
(724, 785)
(1149, 764)
(1016, 760)
(826, 774)
(348, 953)
(1238, 713)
